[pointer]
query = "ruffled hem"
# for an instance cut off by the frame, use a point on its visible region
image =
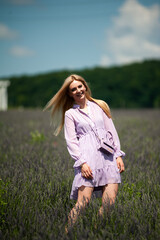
(101, 177)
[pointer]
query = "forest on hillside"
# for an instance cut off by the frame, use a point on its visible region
(135, 85)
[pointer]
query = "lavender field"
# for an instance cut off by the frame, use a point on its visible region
(36, 174)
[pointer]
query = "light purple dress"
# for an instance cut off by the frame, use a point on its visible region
(81, 131)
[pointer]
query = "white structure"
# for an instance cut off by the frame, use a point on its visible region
(3, 94)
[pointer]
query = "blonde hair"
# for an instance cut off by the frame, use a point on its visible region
(62, 101)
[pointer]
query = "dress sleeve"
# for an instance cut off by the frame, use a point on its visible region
(72, 141)
(109, 125)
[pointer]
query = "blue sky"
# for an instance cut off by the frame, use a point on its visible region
(38, 36)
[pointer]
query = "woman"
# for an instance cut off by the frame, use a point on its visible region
(86, 121)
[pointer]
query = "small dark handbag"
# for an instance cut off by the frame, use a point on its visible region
(105, 144)
(106, 147)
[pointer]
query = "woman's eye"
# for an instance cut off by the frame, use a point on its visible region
(79, 86)
(73, 89)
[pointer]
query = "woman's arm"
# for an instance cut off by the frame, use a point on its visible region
(73, 147)
(72, 141)
(109, 126)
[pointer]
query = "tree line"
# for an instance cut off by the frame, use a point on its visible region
(135, 85)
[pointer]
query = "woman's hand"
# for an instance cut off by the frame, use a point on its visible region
(86, 171)
(120, 164)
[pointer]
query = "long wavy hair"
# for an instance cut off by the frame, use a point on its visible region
(61, 101)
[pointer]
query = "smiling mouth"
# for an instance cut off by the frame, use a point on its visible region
(80, 94)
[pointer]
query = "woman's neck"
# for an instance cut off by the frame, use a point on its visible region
(83, 104)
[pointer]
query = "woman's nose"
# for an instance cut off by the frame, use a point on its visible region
(78, 90)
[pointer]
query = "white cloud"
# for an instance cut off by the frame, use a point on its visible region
(105, 61)
(6, 32)
(134, 35)
(19, 51)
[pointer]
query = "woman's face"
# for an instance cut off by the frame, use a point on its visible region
(77, 91)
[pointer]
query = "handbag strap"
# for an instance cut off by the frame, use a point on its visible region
(96, 134)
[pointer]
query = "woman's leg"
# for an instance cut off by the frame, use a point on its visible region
(108, 196)
(84, 196)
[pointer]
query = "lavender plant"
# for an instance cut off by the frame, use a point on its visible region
(36, 175)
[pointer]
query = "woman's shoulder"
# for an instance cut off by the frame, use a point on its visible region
(97, 103)
(70, 112)
(102, 106)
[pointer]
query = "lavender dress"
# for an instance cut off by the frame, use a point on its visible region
(83, 146)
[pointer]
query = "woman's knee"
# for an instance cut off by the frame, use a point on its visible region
(109, 194)
(84, 194)
(106, 201)
(83, 203)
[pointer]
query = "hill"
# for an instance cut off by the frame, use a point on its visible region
(135, 85)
